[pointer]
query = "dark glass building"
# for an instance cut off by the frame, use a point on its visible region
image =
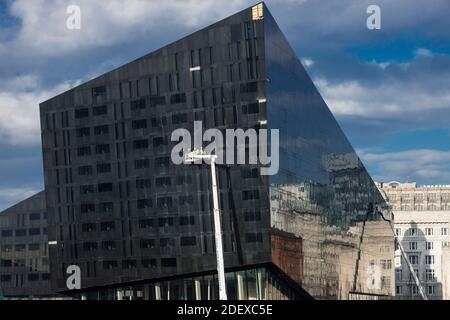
(140, 226)
(24, 262)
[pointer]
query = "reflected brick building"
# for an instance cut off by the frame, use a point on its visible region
(139, 226)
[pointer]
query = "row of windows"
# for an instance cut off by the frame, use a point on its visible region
(413, 289)
(419, 196)
(428, 275)
(23, 232)
(161, 202)
(414, 259)
(412, 232)
(20, 247)
(31, 277)
(146, 263)
(419, 207)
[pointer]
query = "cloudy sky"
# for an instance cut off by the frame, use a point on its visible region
(389, 88)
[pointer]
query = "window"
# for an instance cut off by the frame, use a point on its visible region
(169, 262)
(147, 243)
(86, 189)
(166, 242)
(429, 245)
(143, 183)
(102, 148)
(105, 187)
(88, 227)
(430, 275)
(108, 245)
(444, 231)
(413, 245)
(253, 237)
(83, 132)
(385, 281)
(250, 174)
(107, 226)
(398, 290)
(106, 206)
(139, 124)
(149, 263)
(178, 98)
(99, 130)
(163, 181)
(33, 277)
(84, 151)
(35, 216)
(429, 231)
(90, 246)
(140, 144)
(251, 108)
(430, 289)
(100, 110)
(103, 167)
(7, 233)
(158, 100)
(164, 202)
(429, 259)
(34, 246)
(98, 91)
(87, 207)
(6, 263)
(179, 118)
(162, 162)
(21, 232)
(144, 203)
(138, 104)
(414, 289)
(187, 220)
(188, 241)
(5, 278)
(250, 195)
(34, 231)
(398, 274)
(413, 259)
(141, 164)
(165, 222)
(159, 141)
(145, 223)
(185, 200)
(249, 87)
(252, 216)
(109, 265)
(20, 247)
(84, 170)
(412, 232)
(386, 264)
(81, 113)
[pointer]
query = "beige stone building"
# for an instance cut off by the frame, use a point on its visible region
(422, 224)
(331, 267)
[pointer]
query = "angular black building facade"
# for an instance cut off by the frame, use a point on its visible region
(24, 261)
(140, 226)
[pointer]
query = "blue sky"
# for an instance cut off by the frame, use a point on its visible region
(388, 88)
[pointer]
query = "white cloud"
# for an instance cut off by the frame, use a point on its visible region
(19, 109)
(423, 53)
(105, 23)
(421, 164)
(307, 62)
(386, 99)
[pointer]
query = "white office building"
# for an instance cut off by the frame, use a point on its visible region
(422, 224)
